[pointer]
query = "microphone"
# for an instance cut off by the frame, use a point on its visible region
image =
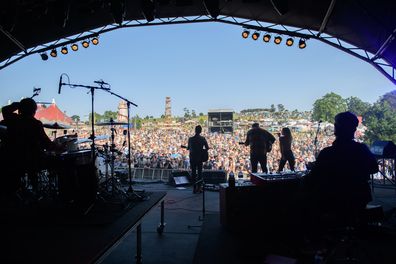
(60, 84)
(101, 82)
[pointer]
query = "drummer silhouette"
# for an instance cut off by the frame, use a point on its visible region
(25, 144)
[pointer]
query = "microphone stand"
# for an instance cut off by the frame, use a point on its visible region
(316, 141)
(129, 103)
(92, 91)
(92, 137)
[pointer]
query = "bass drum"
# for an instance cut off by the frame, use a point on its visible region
(77, 178)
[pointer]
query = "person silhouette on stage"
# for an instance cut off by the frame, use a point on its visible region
(24, 144)
(337, 185)
(260, 142)
(285, 142)
(196, 145)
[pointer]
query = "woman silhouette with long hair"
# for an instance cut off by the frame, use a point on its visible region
(285, 142)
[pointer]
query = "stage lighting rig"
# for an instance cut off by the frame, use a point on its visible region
(64, 50)
(289, 42)
(267, 38)
(277, 40)
(302, 44)
(74, 47)
(44, 56)
(245, 34)
(85, 44)
(255, 35)
(53, 53)
(95, 40)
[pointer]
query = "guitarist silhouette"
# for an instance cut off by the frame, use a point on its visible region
(198, 147)
(260, 142)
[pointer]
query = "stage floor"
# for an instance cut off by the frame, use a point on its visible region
(179, 242)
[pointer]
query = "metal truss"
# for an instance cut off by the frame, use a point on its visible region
(384, 67)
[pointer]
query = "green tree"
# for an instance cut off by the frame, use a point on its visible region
(107, 115)
(186, 112)
(272, 109)
(193, 114)
(328, 106)
(380, 120)
(97, 116)
(390, 98)
(357, 106)
(75, 118)
(137, 122)
(281, 108)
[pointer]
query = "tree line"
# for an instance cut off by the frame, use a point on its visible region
(379, 117)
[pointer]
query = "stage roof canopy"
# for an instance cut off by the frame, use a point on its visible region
(363, 28)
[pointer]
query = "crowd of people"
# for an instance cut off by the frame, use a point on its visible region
(161, 148)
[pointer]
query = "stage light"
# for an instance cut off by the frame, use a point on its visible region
(245, 34)
(255, 35)
(267, 38)
(44, 56)
(302, 44)
(277, 40)
(64, 50)
(53, 53)
(74, 47)
(289, 42)
(95, 40)
(85, 44)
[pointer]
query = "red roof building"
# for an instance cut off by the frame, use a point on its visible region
(52, 114)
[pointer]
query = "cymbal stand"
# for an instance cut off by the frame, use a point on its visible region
(130, 191)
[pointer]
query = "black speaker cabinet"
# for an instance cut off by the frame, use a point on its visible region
(214, 176)
(179, 178)
(384, 149)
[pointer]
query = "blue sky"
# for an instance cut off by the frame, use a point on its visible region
(200, 66)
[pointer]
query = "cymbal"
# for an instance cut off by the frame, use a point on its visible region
(3, 128)
(111, 123)
(55, 126)
(88, 140)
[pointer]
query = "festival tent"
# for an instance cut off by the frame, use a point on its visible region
(52, 114)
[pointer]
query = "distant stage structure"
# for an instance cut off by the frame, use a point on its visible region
(122, 115)
(221, 121)
(168, 107)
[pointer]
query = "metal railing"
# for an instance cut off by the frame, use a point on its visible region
(148, 174)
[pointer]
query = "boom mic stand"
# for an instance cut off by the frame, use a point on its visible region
(102, 86)
(129, 103)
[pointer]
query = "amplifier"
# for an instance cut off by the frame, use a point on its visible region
(214, 176)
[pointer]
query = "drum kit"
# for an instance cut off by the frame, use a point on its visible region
(82, 174)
